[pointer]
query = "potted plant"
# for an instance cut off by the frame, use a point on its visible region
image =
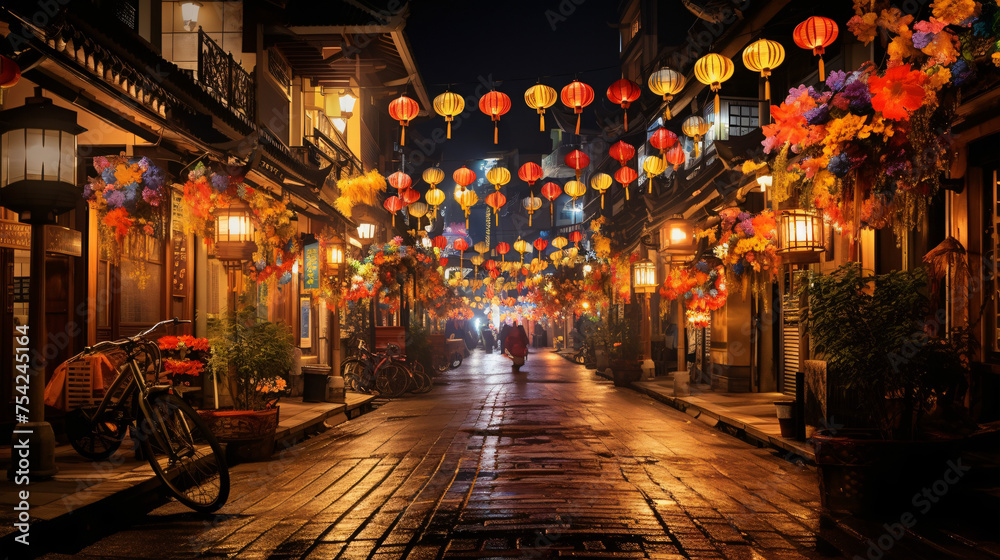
(623, 350)
(250, 356)
(184, 359)
(900, 370)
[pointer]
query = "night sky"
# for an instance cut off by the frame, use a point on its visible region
(512, 43)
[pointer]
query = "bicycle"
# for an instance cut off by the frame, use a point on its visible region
(180, 448)
(371, 372)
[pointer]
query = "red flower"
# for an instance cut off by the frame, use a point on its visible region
(898, 93)
(167, 342)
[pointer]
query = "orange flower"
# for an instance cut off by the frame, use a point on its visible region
(898, 93)
(167, 342)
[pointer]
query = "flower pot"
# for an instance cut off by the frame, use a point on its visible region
(786, 417)
(861, 474)
(625, 372)
(248, 434)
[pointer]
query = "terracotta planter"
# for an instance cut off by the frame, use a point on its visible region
(785, 411)
(863, 475)
(248, 434)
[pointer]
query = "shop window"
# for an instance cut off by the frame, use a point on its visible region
(141, 280)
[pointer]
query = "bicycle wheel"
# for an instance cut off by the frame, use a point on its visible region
(441, 363)
(391, 380)
(95, 439)
(357, 376)
(184, 454)
(422, 382)
(456, 359)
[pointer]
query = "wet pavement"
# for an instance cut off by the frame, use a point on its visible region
(551, 462)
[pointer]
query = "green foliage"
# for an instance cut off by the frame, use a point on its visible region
(623, 337)
(879, 345)
(418, 347)
(251, 355)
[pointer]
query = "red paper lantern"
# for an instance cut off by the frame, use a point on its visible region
(622, 151)
(494, 104)
(409, 196)
(490, 264)
(676, 156)
(503, 248)
(816, 33)
(524, 272)
(464, 176)
(404, 110)
(576, 236)
(577, 160)
(443, 261)
(460, 244)
(10, 72)
(551, 191)
(530, 172)
(623, 92)
(663, 139)
(493, 274)
(540, 244)
(440, 242)
(495, 200)
(576, 96)
(400, 180)
(626, 175)
(393, 204)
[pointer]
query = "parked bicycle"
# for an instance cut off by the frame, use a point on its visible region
(183, 452)
(386, 373)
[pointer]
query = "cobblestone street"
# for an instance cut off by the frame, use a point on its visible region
(552, 462)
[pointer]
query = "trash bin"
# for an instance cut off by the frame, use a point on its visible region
(335, 389)
(315, 381)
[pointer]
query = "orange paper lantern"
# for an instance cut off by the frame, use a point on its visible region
(622, 151)
(577, 161)
(495, 200)
(676, 156)
(494, 104)
(663, 139)
(623, 92)
(551, 191)
(400, 180)
(816, 33)
(404, 110)
(502, 249)
(440, 242)
(540, 244)
(530, 172)
(393, 204)
(464, 176)
(626, 175)
(576, 96)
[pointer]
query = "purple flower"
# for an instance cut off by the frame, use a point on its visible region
(114, 198)
(746, 226)
(101, 163)
(960, 72)
(860, 97)
(109, 176)
(88, 191)
(835, 80)
(819, 115)
(743, 216)
(220, 182)
(922, 39)
(839, 165)
(153, 177)
(152, 196)
(702, 266)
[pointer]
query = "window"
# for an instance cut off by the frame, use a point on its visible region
(141, 281)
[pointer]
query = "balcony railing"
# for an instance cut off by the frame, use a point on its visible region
(224, 77)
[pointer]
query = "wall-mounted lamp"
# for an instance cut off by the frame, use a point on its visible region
(340, 123)
(189, 13)
(347, 102)
(765, 181)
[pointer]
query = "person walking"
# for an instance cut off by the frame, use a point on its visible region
(516, 344)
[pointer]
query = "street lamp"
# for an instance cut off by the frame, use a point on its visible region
(366, 231)
(189, 13)
(340, 123)
(800, 236)
(677, 237)
(234, 245)
(38, 180)
(335, 269)
(644, 282)
(347, 102)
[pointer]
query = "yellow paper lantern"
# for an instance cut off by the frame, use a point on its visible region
(559, 242)
(695, 127)
(433, 176)
(531, 204)
(711, 70)
(449, 105)
(521, 246)
(575, 189)
(498, 177)
(600, 183)
(434, 197)
(481, 247)
(466, 199)
(762, 56)
(540, 97)
(668, 83)
(653, 166)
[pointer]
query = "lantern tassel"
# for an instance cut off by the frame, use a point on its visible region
(602, 206)
(529, 218)
(767, 89)
(626, 192)
(552, 212)
(650, 177)
(626, 120)
(668, 99)
(496, 133)
(716, 106)
(822, 70)
(541, 121)
(578, 123)
(402, 135)
(393, 219)
(449, 129)
(496, 215)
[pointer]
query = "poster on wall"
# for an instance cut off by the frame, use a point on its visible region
(310, 272)
(305, 338)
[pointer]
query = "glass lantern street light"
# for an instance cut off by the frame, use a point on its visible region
(189, 13)
(644, 277)
(340, 123)
(679, 236)
(347, 102)
(366, 231)
(234, 234)
(801, 236)
(335, 255)
(38, 180)
(38, 177)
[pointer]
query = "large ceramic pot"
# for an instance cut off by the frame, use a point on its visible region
(624, 372)
(248, 434)
(863, 475)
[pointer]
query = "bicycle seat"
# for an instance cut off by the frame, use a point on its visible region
(392, 349)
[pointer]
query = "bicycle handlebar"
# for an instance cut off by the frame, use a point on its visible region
(129, 340)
